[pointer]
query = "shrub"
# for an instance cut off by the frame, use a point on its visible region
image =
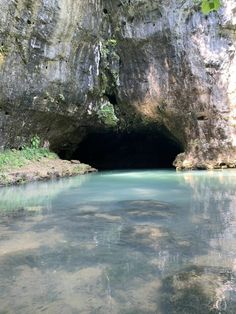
(13, 158)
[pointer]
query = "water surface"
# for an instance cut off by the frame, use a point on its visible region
(120, 242)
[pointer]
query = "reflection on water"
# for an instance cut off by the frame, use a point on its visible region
(120, 242)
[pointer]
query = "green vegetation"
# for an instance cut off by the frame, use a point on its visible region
(107, 114)
(3, 50)
(208, 6)
(109, 71)
(13, 158)
(35, 142)
(112, 42)
(107, 46)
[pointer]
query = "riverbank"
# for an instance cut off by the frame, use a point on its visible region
(18, 167)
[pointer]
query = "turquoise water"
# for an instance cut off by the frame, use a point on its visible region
(120, 242)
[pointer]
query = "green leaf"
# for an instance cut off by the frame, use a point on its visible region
(208, 6)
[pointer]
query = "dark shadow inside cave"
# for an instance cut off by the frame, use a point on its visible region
(123, 150)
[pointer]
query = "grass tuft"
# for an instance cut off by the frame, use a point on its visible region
(13, 158)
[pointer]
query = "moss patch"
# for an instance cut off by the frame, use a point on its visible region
(107, 115)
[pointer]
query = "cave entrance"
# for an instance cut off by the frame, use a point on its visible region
(123, 150)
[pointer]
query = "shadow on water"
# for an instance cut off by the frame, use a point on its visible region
(102, 245)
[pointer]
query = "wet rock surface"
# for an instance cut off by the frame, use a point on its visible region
(68, 68)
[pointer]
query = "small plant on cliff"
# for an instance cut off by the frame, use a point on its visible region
(109, 65)
(208, 6)
(3, 50)
(112, 42)
(107, 114)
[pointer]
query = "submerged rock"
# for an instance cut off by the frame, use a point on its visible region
(198, 290)
(160, 64)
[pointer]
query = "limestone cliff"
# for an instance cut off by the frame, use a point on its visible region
(68, 67)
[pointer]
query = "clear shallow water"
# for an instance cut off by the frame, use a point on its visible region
(120, 242)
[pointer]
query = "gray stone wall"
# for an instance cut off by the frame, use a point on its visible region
(71, 66)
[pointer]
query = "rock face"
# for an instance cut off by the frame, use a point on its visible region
(69, 67)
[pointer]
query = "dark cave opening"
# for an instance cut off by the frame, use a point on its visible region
(112, 98)
(123, 150)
